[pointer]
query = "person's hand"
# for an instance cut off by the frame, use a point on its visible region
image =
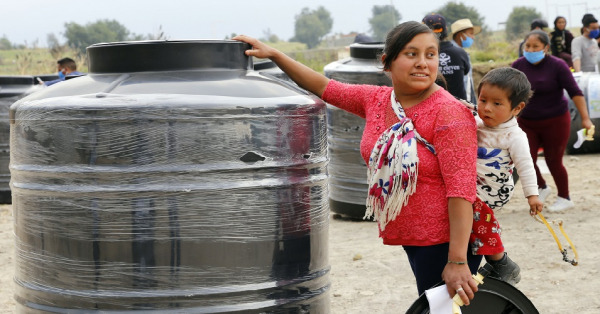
(459, 280)
(259, 49)
(587, 124)
(535, 205)
(469, 105)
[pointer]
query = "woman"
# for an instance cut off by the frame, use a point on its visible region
(560, 40)
(435, 224)
(546, 119)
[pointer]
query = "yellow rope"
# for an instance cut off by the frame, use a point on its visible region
(559, 222)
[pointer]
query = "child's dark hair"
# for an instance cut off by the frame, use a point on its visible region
(398, 37)
(512, 81)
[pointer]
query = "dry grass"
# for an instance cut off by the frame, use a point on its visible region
(34, 61)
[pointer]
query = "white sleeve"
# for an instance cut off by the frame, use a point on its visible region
(521, 157)
(576, 47)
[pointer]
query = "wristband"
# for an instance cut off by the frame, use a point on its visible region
(457, 263)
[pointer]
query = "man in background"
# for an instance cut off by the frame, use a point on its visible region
(66, 67)
(584, 49)
(463, 34)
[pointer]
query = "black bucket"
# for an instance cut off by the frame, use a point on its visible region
(493, 297)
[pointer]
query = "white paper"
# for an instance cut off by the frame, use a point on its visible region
(580, 138)
(439, 300)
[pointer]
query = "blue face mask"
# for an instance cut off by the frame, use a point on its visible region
(61, 75)
(467, 42)
(534, 57)
(594, 33)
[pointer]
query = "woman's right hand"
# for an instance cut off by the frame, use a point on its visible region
(259, 49)
(459, 280)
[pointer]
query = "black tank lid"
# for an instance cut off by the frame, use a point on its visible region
(366, 50)
(141, 56)
(16, 80)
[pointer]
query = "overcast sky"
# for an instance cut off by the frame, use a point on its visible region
(30, 20)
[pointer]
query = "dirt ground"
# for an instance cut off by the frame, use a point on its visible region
(368, 277)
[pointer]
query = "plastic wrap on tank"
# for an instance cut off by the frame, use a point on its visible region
(348, 171)
(201, 189)
(12, 88)
(589, 83)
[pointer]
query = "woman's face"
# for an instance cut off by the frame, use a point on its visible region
(533, 44)
(561, 24)
(415, 68)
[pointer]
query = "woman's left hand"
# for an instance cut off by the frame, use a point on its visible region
(459, 281)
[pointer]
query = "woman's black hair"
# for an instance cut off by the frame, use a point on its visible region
(399, 36)
(539, 34)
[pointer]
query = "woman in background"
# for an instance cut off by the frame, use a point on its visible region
(560, 40)
(546, 119)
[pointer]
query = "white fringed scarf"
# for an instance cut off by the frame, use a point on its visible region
(393, 167)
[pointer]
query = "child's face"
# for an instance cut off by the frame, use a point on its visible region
(494, 107)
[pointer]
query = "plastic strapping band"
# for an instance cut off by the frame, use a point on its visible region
(559, 222)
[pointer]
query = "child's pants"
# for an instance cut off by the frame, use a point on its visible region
(485, 236)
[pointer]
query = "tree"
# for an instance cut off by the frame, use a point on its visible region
(80, 37)
(5, 44)
(453, 12)
(268, 36)
(52, 41)
(519, 21)
(54, 47)
(385, 17)
(311, 26)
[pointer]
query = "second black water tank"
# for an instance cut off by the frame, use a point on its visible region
(348, 171)
(12, 88)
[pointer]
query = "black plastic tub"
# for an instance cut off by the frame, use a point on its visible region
(493, 297)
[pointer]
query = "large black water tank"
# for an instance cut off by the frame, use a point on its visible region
(589, 83)
(348, 171)
(172, 178)
(12, 88)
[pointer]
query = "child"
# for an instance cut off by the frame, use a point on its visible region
(503, 93)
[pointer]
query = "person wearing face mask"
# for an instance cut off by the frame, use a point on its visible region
(584, 49)
(66, 67)
(454, 61)
(463, 34)
(546, 119)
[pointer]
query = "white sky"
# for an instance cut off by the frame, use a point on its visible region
(30, 20)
